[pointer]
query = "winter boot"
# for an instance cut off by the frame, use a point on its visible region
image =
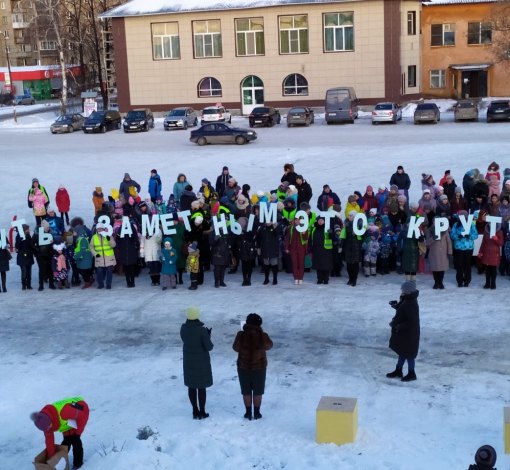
(275, 277)
(396, 373)
(248, 415)
(41, 286)
(203, 414)
(410, 376)
(59, 285)
(66, 284)
(216, 282)
(196, 414)
(180, 276)
(153, 279)
(157, 278)
(413, 277)
(266, 268)
(248, 280)
(4, 288)
(222, 280)
(256, 412)
(244, 281)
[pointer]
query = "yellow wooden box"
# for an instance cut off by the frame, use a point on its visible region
(506, 430)
(337, 420)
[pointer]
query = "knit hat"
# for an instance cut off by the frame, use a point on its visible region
(413, 205)
(41, 420)
(400, 167)
(232, 180)
(369, 188)
(299, 177)
(198, 219)
(505, 198)
(385, 209)
(280, 205)
(193, 247)
(273, 197)
(337, 208)
(382, 186)
(260, 193)
(224, 200)
(401, 198)
(325, 186)
(393, 187)
(99, 189)
(142, 205)
(471, 173)
(464, 213)
(225, 168)
(192, 313)
(292, 188)
(195, 205)
(59, 247)
(188, 187)
(351, 199)
(304, 206)
(353, 213)
(285, 184)
(205, 180)
(443, 197)
(507, 183)
(373, 211)
(426, 191)
(357, 193)
(35, 180)
(408, 287)
(99, 225)
(385, 220)
(154, 171)
(425, 176)
(458, 189)
(50, 209)
(254, 320)
(45, 224)
(159, 198)
(126, 175)
(449, 177)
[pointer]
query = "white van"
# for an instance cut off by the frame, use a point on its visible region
(341, 105)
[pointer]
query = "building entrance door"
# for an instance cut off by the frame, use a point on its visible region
(252, 92)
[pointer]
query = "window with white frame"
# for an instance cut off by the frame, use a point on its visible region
(4, 19)
(293, 34)
(47, 45)
(442, 34)
(411, 23)
(165, 41)
(208, 87)
(35, 48)
(207, 37)
(339, 32)
(250, 36)
(479, 33)
(295, 84)
(437, 79)
(2, 5)
(411, 76)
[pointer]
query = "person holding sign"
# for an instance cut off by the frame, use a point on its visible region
(490, 254)
(69, 417)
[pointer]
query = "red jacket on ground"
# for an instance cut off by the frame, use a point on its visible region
(68, 412)
(63, 200)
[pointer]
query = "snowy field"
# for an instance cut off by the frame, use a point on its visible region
(122, 352)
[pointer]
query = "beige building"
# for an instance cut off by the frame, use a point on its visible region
(281, 54)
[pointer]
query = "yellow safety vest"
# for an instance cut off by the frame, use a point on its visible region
(59, 405)
(328, 243)
(104, 249)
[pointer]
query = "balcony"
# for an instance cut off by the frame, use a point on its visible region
(20, 24)
(21, 55)
(19, 40)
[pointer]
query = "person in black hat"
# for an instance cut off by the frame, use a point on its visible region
(222, 181)
(402, 180)
(485, 458)
(251, 345)
(25, 257)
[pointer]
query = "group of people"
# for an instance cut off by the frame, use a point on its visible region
(78, 252)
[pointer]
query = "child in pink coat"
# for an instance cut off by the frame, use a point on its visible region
(494, 186)
(38, 200)
(63, 203)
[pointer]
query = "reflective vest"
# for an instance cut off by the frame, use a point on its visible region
(289, 215)
(282, 195)
(328, 243)
(311, 220)
(292, 230)
(78, 246)
(104, 249)
(227, 213)
(59, 405)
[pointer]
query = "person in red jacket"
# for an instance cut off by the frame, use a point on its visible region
(63, 203)
(68, 416)
(490, 254)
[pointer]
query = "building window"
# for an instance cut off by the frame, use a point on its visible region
(207, 36)
(293, 34)
(250, 36)
(411, 23)
(442, 34)
(47, 45)
(4, 19)
(2, 5)
(411, 76)
(339, 32)
(209, 86)
(34, 48)
(437, 79)
(295, 84)
(165, 41)
(479, 33)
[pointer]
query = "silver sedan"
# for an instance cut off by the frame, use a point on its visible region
(386, 112)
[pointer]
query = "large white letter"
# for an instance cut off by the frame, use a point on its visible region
(414, 227)
(108, 229)
(440, 225)
(219, 223)
(126, 227)
(149, 226)
(235, 228)
(167, 222)
(18, 224)
(466, 224)
(3, 239)
(268, 213)
(355, 226)
(251, 219)
(328, 215)
(303, 221)
(492, 222)
(184, 215)
(44, 238)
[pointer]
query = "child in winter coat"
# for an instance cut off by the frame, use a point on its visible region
(493, 170)
(61, 266)
(168, 257)
(97, 199)
(39, 201)
(193, 265)
(160, 206)
(494, 186)
(371, 249)
(5, 257)
(63, 203)
(150, 205)
(172, 206)
(384, 253)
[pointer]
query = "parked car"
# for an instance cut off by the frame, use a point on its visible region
(180, 118)
(341, 105)
(386, 112)
(24, 99)
(139, 120)
(300, 115)
(57, 92)
(498, 111)
(101, 121)
(466, 110)
(267, 116)
(427, 112)
(221, 133)
(67, 123)
(216, 113)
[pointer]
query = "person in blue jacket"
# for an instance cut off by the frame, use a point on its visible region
(463, 245)
(56, 223)
(168, 257)
(155, 186)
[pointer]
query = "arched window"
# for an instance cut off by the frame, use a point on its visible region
(209, 86)
(295, 84)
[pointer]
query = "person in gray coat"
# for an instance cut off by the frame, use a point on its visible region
(440, 252)
(196, 361)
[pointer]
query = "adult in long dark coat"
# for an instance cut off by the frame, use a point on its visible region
(245, 244)
(220, 248)
(402, 180)
(410, 252)
(5, 257)
(187, 197)
(196, 363)
(178, 241)
(129, 251)
(222, 181)
(350, 248)
(405, 330)
(320, 248)
(304, 190)
(43, 255)
(125, 184)
(268, 242)
(25, 257)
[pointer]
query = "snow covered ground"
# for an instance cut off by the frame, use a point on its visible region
(121, 349)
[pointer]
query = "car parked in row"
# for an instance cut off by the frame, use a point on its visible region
(300, 115)
(102, 121)
(265, 116)
(67, 123)
(139, 120)
(180, 118)
(23, 99)
(427, 112)
(386, 112)
(498, 111)
(216, 113)
(466, 110)
(221, 133)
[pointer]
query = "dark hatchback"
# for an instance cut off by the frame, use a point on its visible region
(102, 121)
(498, 111)
(139, 120)
(221, 133)
(265, 116)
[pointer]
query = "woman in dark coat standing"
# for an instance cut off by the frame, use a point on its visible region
(220, 247)
(196, 361)
(25, 257)
(129, 250)
(252, 344)
(246, 250)
(350, 247)
(5, 257)
(410, 252)
(320, 249)
(268, 242)
(405, 331)
(490, 254)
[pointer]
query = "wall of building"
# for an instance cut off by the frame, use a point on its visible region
(410, 48)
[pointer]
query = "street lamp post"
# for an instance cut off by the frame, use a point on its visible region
(4, 34)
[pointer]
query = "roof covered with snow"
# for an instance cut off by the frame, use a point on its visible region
(429, 3)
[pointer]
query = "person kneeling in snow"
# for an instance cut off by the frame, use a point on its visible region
(69, 417)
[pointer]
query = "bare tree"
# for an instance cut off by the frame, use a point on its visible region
(498, 21)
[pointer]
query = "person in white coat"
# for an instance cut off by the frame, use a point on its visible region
(150, 245)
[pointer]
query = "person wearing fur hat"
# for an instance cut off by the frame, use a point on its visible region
(196, 361)
(352, 205)
(101, 248)
(5, 257)
(39, 202)
(60, 265)
(268, 247)
(401, 180)
(245, 247)
(187, 197)
(193, 265)
(63, 203)
(463, 245)
(128, 187)
(479, 203)
(304, 190)
(405, 331)
(440, 252)
(222, 181)
(468, 184)
(155, 186)
(68, 416)
(490, 254)
(371, 249)
(320, 249)
(296, 246)
(493, 170)
(129, 251)
(289, 175)
(251, 344)
(350, 248)
(25, 257)
(97, 198)
(43, 255)
(168, 257)
(243, 207)
(289, 209)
